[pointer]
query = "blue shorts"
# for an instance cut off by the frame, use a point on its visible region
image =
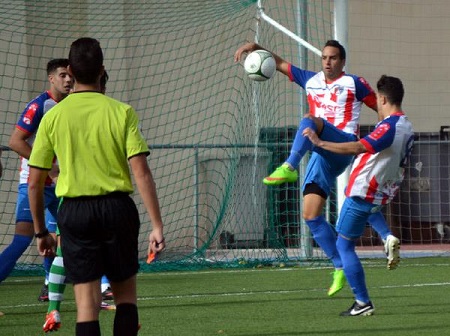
(353, 217)
(23, 212)
(324, 166)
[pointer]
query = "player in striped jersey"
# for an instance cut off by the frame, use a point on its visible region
(375, 179)
(21, 141)
(335, 100)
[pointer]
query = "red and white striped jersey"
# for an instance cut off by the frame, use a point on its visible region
(377, 174)
(340, 101)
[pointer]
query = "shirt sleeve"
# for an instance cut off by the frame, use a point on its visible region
(31, 117)
(135, 142)
(300, 76)
(42, 153)
(381, 137)
(365, 93)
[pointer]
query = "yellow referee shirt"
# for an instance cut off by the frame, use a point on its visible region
(93, 136)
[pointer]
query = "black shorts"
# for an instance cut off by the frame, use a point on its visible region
(99, 236)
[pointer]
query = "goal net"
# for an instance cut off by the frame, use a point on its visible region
(214, 134)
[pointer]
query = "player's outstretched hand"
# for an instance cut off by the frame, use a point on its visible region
(245, 49)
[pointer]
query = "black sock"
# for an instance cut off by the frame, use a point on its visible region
(91, 328)
(126, 320)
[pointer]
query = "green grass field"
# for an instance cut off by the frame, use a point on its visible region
(412, 300)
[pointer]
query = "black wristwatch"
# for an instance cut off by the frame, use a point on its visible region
(41, 234)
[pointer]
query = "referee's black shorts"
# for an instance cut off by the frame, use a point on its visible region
(99, 236)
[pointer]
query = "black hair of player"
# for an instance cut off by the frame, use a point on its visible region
(336, 44)
(56, 63)
(392, 89)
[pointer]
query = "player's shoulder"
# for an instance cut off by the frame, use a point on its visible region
(35, 108)
(400, 119)
(356, 78)
(40, 99)
(306, 74)
(360, 83)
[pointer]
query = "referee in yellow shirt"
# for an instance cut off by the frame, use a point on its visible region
(96, 139)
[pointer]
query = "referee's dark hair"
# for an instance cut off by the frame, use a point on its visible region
(86, 60)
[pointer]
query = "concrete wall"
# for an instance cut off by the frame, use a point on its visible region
(409, 39)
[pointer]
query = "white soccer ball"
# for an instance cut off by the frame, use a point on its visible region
(260, 65)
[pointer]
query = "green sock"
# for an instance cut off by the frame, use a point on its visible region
(56, 285)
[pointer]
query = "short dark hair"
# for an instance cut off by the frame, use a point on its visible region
(86, 60)
(56, 63)
(336, 44)
(103, 81)
(392, 88)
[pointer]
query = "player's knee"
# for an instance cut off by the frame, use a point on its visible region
(24, 229)
(317, 121)
(309, 215)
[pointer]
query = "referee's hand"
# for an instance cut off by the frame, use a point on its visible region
(157, 242)
(46, 246)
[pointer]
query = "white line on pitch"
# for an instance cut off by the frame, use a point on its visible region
(190, 296)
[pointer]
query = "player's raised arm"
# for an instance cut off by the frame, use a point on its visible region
(349, 148)
(282, 65)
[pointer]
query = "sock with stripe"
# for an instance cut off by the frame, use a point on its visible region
(56, 285)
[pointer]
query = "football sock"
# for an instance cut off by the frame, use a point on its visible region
(56, 285)
(379, 224)
(325, 236)
(353, 269)
(12, 253)
(301, 143)
(91, 328)
(126, 320)
(105, 283)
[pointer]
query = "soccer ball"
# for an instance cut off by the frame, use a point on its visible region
(260, 65)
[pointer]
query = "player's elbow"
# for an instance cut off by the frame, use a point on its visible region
(12, 144)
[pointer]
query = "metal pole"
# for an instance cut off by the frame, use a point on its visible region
(341, 34)
(306, 247)
(289, 33)
(196, 198)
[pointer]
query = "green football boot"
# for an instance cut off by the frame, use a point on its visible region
(282, 174)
